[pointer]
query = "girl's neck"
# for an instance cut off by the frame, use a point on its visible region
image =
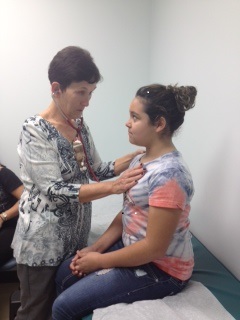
(155, 152)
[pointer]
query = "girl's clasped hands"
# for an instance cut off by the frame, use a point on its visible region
(85, 261)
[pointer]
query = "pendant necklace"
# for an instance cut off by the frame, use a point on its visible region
(79, 154)
(78, 146)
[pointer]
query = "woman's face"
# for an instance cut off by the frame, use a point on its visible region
(140, 131)
(75, 98)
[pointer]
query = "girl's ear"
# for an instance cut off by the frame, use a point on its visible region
(160, 124)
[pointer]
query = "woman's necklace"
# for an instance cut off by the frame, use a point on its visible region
(78, 147)
(77, 144)
(79, 154)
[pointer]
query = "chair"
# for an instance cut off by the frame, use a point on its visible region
(8, 272)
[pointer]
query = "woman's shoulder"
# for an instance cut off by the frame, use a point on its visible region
(39, 124)
(31, 121)
(8, 177)
(35, 119)
(5, 171)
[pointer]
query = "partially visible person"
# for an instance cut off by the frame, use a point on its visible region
(146, 253)
(57, 158)
(11, 189)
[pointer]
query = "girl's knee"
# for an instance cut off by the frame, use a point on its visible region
(58, 309)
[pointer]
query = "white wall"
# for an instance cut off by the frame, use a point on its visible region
(198, 43)
(31, 33)
(136, 42)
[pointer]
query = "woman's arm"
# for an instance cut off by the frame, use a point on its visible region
(40, 159)
(162, 223)
(13, 211)
(126, 181)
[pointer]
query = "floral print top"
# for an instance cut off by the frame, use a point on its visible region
(52, 223)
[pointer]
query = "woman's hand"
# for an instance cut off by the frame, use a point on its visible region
(93, 191)
(127, 180)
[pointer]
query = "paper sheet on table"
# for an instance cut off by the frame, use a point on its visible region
(195, 302)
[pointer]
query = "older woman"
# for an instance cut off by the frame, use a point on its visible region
(57, 158)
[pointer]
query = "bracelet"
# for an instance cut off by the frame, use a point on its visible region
(3, 216)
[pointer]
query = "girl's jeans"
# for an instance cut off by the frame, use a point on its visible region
(80, 296)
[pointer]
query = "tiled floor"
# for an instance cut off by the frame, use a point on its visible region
(6, 289)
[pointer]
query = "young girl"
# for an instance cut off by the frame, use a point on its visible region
(146, 253)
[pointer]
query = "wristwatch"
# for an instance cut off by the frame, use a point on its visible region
(4, 216)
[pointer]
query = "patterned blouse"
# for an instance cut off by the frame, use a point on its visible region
(52, 223)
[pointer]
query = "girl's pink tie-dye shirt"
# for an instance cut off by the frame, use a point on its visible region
(166, 184)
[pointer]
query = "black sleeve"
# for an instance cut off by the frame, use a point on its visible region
(9, 180)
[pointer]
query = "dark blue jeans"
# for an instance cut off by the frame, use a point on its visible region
(79, 297)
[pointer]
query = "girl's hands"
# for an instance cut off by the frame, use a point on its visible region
(85, 262)
(79, 253)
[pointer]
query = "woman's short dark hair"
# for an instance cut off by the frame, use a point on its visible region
(73, 64)
(169, 102)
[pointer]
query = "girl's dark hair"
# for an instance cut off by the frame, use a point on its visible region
(169, 102)
(73, 64)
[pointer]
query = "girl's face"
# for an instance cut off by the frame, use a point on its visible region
(140, 131)
(75, 98)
